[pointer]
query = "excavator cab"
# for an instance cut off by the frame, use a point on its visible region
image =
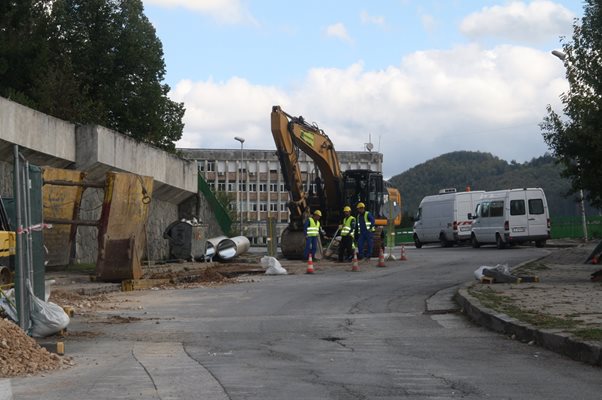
(366, 186)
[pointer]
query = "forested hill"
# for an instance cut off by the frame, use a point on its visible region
(484, 171)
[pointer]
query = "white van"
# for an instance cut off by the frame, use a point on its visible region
(514, 216)
(445, 217)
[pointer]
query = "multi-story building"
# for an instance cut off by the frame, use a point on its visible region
(254, 178)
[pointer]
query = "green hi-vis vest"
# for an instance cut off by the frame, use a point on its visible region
(369, 226)
(314, 227)
(346, 229)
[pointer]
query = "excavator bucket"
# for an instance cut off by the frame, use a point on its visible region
(122, 233)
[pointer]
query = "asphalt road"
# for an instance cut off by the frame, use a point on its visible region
(331, 335)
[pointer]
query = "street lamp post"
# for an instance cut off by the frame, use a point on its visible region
(562, 57)
(241, 140)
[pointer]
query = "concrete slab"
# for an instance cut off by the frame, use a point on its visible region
(100, 150)
(43, 140)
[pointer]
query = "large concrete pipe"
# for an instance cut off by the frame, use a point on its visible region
(211, 246)
(232, 247)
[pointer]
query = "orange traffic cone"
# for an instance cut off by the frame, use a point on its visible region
(310, 265)
(381, 259)
(355, 266)
(403, 253)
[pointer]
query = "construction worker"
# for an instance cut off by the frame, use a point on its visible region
(312, 230)
(347, 229)
(364, 228)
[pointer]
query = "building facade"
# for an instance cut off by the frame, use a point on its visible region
(254, 179)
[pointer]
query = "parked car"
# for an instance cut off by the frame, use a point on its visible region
(513, 216)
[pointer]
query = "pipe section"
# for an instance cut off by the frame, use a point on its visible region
(232, 247)
(211, 246)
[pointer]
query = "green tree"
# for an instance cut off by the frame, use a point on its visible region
(576, 140)
(23, 49)
(89, 62)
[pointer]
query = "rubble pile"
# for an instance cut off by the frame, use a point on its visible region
(22, 355)
(84, 304)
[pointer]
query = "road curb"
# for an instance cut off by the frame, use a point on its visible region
(554, 340)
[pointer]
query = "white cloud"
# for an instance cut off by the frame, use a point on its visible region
(372, 19)
(428, 22)
(224, 11)
(534, 22)
(338, 31)
(466, 98)
(218, 111)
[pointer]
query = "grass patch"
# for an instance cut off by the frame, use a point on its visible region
(589, 333)
(82, 267)
(531, 267)
(493, 300)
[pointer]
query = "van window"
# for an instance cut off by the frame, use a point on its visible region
(535, 206)
(418, 214)
(496, 209)
(517, 207)
(485, 209)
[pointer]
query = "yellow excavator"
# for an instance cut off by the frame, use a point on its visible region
(333, 188)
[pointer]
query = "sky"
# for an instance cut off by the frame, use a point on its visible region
(416, 78)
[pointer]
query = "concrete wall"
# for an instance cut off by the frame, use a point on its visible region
(48, 141)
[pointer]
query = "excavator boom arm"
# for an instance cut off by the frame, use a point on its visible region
(290, 132)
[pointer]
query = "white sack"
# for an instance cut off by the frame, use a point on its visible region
(47, 318)
(478, 273)
(273, 266)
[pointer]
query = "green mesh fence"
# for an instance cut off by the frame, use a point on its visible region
(561, 228)
(221, 214)
(572, 227)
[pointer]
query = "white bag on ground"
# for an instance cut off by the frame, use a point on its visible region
(273, 266)
(478, 273)
(47, 318)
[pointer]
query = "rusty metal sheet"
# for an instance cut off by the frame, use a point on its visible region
(122, 229)
(60, 202)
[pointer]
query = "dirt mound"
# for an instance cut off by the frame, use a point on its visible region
(22, 355)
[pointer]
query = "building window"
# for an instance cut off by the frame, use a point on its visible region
(221, 186)
(252, 187)
(242, 187)
(201, 165)
(263, 207)
(254, 207)
(273, 207)
(282, 187)
(211, 166)
(263, 187)
(231, 187)
(211, 185)
(283, 207)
